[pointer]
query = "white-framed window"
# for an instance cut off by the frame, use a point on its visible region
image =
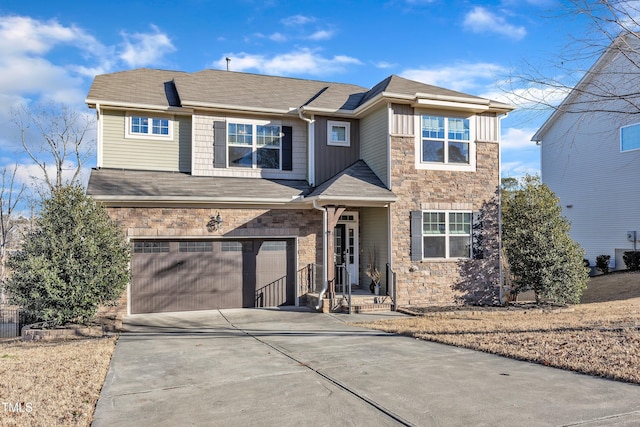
(630, 137)
(445, 142)
(149, 127)
(339, 133)
(254, 144)
(446, 234)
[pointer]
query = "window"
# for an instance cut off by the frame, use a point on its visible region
(339, 133)
(630, 137)
(446, 234)
(149, 127)
(196, 246)
(274, 246)
(254, 145)
(445, 140)
(230, 246)
(149, 247)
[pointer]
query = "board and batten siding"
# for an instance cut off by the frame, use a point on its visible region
(203, 157)
(374, 233)
(329, 159)
(374, 135)
(145, 154)
(403, 120)
(487, 128)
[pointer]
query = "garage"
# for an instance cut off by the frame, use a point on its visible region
(183, 275)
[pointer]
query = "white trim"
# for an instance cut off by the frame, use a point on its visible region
(254, 142)
(149, 136)
(447, 235)
(354, 225)
(99, 136)
(347, 132)
(460, 167)
(311, 129)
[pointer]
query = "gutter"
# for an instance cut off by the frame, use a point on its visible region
(325, 284)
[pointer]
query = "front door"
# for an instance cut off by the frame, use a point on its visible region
(346, 246)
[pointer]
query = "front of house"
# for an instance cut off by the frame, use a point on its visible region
(243, 190)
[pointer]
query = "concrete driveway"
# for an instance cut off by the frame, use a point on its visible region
(295, 367)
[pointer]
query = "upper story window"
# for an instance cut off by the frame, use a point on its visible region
(149, 127)
(630, 137)
(445, 139)
(339, 133)
(446, 234)
(254, 145)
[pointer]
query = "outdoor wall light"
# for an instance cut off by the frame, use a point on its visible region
(215, 223)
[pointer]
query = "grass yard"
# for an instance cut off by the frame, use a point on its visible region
(52, 383)
(599, 337)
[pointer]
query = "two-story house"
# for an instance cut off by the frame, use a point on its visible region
(232, 186)
(589, 154)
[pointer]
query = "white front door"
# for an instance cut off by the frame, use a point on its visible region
(347, 244)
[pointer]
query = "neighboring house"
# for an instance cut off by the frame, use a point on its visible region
(590, 152)
(231, 186)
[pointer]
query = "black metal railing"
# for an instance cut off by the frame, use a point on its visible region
(391, 285)
(12, 319)
(308, 280)
(273, 294)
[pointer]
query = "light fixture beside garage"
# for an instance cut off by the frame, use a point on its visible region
(215, 223)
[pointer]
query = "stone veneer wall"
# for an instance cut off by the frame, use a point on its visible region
(438, 282)
(141, 222)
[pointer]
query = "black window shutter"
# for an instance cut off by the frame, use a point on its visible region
(477, 244)
(287, 148)
(219, 144)
(416, 235)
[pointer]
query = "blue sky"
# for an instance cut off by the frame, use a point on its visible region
(51, 50)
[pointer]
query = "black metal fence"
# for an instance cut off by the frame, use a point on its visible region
(12, 319)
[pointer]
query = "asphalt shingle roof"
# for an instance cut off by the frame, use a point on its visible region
(151, 185)
(234, 89)
(357, 182)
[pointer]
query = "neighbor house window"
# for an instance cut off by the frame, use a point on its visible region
(154, 127)
(253, 145)
(445, 140)
(339, 133)
(446, 234)
(630, 137)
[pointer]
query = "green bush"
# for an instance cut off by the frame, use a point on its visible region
(632, 260)
(74, 260)
(602, 263)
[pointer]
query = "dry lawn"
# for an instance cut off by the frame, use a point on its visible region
(56, 383)
(599, 337)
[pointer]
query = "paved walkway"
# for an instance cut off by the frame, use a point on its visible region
(294, 368)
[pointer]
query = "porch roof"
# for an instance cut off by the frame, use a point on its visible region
(117, 186)
(357, 185)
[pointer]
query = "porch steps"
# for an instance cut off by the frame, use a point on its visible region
(361, 302)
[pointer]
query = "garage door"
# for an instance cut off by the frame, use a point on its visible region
(186, 275)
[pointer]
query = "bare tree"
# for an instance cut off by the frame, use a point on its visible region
(612, 35)
(54, 136)
(10, 198)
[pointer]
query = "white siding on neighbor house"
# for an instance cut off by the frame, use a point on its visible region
(374, 232)
(145, 154)
(596, 183)
(374, 135)
(203, 149)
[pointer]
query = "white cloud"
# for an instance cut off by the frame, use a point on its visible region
(142, 49)
(519, 168)
(463, 77)
(480, 20)
(302, 61)
(384, 64)
(517, 138)
(297, 20)
(321, 35)
(278, 37)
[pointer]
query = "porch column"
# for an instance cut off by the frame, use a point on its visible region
(333, 216)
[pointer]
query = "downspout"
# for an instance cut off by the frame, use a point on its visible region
(325, 284)
(500, 270)
(311, 170)
(99, 137)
